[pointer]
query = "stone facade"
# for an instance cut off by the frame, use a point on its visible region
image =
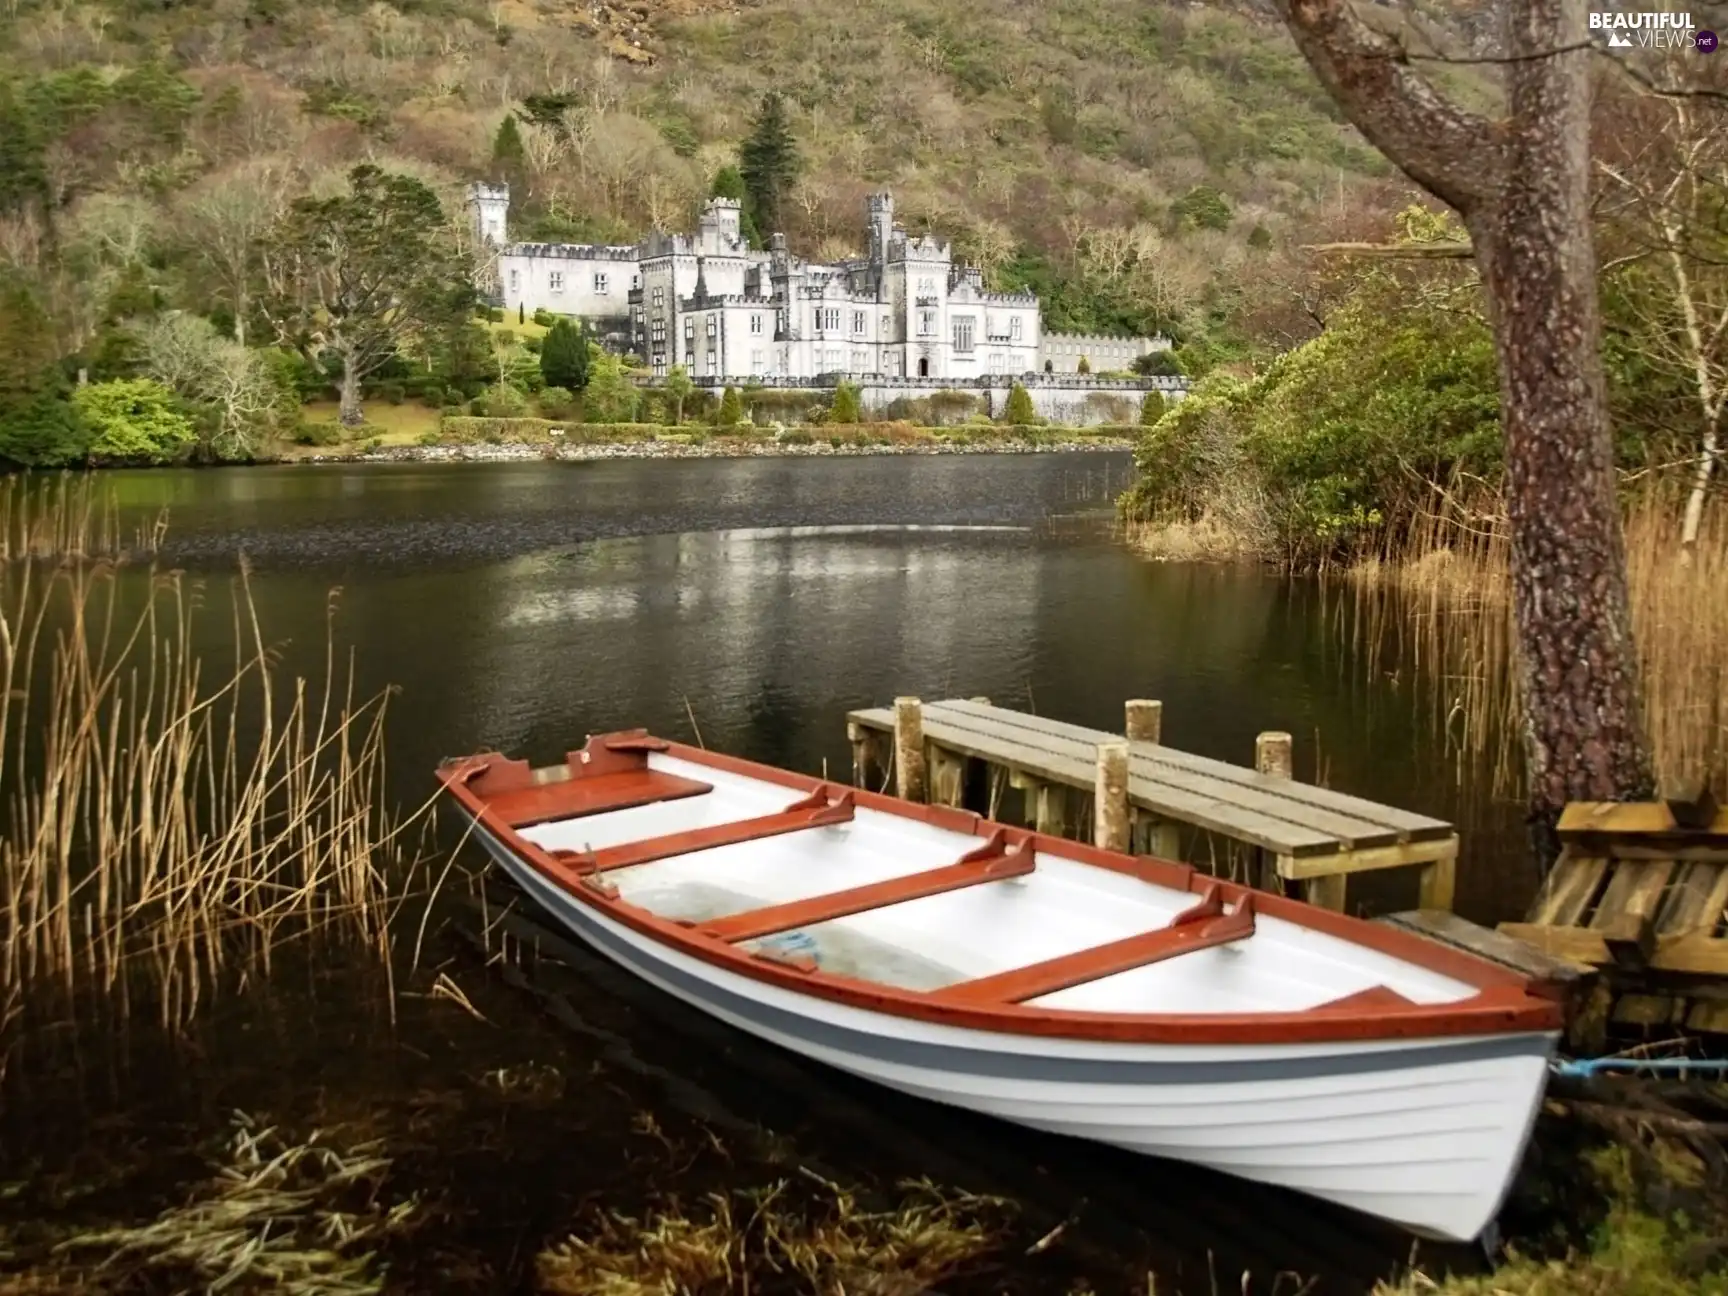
(725, 311)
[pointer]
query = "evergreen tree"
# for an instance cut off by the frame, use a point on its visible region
(509, 157)
(731, 408)
(729, 184)
(564, 359)
(1019, 411)
(846, 409)
(521, 313)
(769, 163)
(1152, 408)
(1085, 366)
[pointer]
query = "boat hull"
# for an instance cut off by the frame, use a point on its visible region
(1424, 1133)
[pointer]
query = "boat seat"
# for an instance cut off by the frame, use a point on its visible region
(1203, 926)
(992, 862)
(574, 798)
(820, 809)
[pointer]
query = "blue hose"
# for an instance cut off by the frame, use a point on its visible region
(1583, 1068)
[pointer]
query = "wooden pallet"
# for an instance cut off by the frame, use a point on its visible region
(1644, 898)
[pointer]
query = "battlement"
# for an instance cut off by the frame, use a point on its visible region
(575, 251)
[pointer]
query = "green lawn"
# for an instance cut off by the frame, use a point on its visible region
(522, 331)
(392, 424)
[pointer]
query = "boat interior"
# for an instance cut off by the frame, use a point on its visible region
(928, 899)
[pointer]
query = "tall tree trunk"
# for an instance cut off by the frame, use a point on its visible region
(240, 316)
(350, 414)
(1522, 187)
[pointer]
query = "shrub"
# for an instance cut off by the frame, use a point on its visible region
(392, 393)
(731, 408)
(1152, 408)
(544, 318)
(503, 402)
(846, 406)
(134, 420)
(557, 403)
(1019, 409)
(319, 433)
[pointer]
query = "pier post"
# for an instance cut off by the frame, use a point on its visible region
(909, 765)
(1110, 799)
(1145, 720)
(1272, 755)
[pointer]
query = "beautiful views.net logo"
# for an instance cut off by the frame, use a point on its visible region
(1653, 31)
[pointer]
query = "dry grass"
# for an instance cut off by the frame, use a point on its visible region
(68, 515)
(297, 1218)
(763, 1240)
(1444, 606)
(167, 816)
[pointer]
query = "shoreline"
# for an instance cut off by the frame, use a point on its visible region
(724, 448)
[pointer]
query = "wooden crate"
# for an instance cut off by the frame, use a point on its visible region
(1643, 898)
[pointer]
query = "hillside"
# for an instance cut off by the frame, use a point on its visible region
(1055, 141)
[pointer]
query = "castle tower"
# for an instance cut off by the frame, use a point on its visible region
(718, 228)
(490, 207)
(879, 220)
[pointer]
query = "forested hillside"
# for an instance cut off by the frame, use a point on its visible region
(1056, 141)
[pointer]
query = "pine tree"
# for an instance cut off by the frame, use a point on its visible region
(1152, 408)
(731, 407)
(1019, 411)
(521, 312)
(564, 360)
(769, 164)
(509, 157)
(1085, 366)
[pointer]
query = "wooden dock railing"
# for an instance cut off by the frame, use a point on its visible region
(1138, 794)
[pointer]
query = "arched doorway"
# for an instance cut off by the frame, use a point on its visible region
(923, 366)
(1049, 366)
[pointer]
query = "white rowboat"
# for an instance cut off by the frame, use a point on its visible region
(1127, 1000)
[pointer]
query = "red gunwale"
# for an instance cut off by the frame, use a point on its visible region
(1506, 1003)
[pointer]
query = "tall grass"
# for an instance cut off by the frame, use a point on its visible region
(69, 515)
(1442, 604)
(170, 816)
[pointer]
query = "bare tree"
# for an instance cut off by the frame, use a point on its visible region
(227, 219)
(186, 353)
(1669, 195)
(1522, 186)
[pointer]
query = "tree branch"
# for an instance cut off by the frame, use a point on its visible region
(1453, 154)
(1409, 251)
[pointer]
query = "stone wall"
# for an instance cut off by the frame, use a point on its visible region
(1070, 399)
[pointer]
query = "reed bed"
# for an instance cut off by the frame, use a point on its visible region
(167, 825)
(70, 515)
(1440, 608)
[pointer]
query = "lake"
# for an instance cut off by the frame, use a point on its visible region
(749, 604)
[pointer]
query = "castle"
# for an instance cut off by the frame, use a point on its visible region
(728, 312)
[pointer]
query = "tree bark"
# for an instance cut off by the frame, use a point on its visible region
(350, 414)
(1522, 187)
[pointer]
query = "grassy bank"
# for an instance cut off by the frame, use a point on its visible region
(1444, 599)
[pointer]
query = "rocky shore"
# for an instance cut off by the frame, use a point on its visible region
(717, 448)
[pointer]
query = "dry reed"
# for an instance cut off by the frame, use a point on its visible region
(69, 515)
(168, 819)
(1441, 608)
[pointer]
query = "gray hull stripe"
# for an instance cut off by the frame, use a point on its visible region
(989, 1062)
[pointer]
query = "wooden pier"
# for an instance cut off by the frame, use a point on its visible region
(1130, 792)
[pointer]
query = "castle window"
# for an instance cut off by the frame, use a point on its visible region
(635, 282)
(926, 323)
(689, 326)
(713, 363)
(860, 321)
(887, 327)
(860, 361)
(758, 364)
(555, 281)
(828, 318)
(965, 334)
(600, 284)
(756, 323)
(1014, 328)
(659, 296)
(835, 360)
(659, 332)
(689, 362)
(515, 281)
(713, 326)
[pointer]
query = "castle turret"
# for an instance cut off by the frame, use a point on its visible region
(490, 206)
(719, 228)
(879, 218)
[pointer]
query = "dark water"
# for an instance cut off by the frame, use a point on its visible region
(752, 603)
